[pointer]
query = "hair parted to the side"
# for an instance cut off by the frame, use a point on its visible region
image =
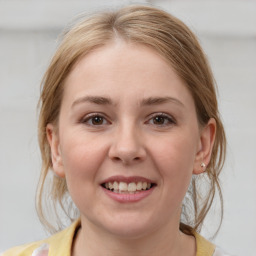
(178, 45)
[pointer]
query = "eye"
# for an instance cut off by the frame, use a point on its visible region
(161, 120)
(94, 120)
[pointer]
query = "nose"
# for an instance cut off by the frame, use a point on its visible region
(127, 146)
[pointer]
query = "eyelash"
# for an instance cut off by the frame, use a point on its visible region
(170, 120)
(89, 119)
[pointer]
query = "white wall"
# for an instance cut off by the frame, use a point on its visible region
(28, 32)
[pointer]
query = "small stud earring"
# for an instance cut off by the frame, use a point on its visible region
(203, 166)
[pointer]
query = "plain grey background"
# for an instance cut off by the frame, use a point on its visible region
(28, 33)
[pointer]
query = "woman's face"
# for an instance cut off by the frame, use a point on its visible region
(127, 123)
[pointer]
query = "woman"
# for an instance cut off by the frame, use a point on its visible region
(129, 124)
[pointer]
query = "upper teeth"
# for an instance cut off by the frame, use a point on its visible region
(130, 187)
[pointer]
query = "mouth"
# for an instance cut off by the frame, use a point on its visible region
(128, 189)
(122, 187)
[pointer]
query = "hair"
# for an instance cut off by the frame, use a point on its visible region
(174, 41)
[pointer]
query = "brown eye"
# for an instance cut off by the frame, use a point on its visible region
(94, 120)
(159, 120)
(97, 120)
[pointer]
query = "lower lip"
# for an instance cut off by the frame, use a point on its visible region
(128, 198)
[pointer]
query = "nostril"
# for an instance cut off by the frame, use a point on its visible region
(116, 158)
(126, 160)
(127, 155)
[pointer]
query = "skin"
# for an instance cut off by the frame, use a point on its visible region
(129, 139)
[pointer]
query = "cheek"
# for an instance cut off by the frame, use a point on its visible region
(81, 159)
(174, 158)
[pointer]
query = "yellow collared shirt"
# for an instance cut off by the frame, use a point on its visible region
(60, 245)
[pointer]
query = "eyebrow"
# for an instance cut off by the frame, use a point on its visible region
(93, 99)
(145, 102)
(160, 100)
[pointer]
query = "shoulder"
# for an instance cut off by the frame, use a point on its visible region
(23, 250)
(57, 245)
(206, 248)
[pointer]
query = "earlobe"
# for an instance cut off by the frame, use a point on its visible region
(207, 138)
(53, 140)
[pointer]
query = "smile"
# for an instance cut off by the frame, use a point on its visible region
(128, 189)
(124, 187)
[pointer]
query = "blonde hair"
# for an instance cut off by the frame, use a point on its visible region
(173, 40)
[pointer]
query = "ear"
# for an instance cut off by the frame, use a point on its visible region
(207, 138)
(53, 140)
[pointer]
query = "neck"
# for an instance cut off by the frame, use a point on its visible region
(168, 241)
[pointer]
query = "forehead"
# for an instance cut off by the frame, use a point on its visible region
(121, 67)
(125, 56)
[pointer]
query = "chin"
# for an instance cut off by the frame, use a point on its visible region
(129, 227)
(129, 231)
